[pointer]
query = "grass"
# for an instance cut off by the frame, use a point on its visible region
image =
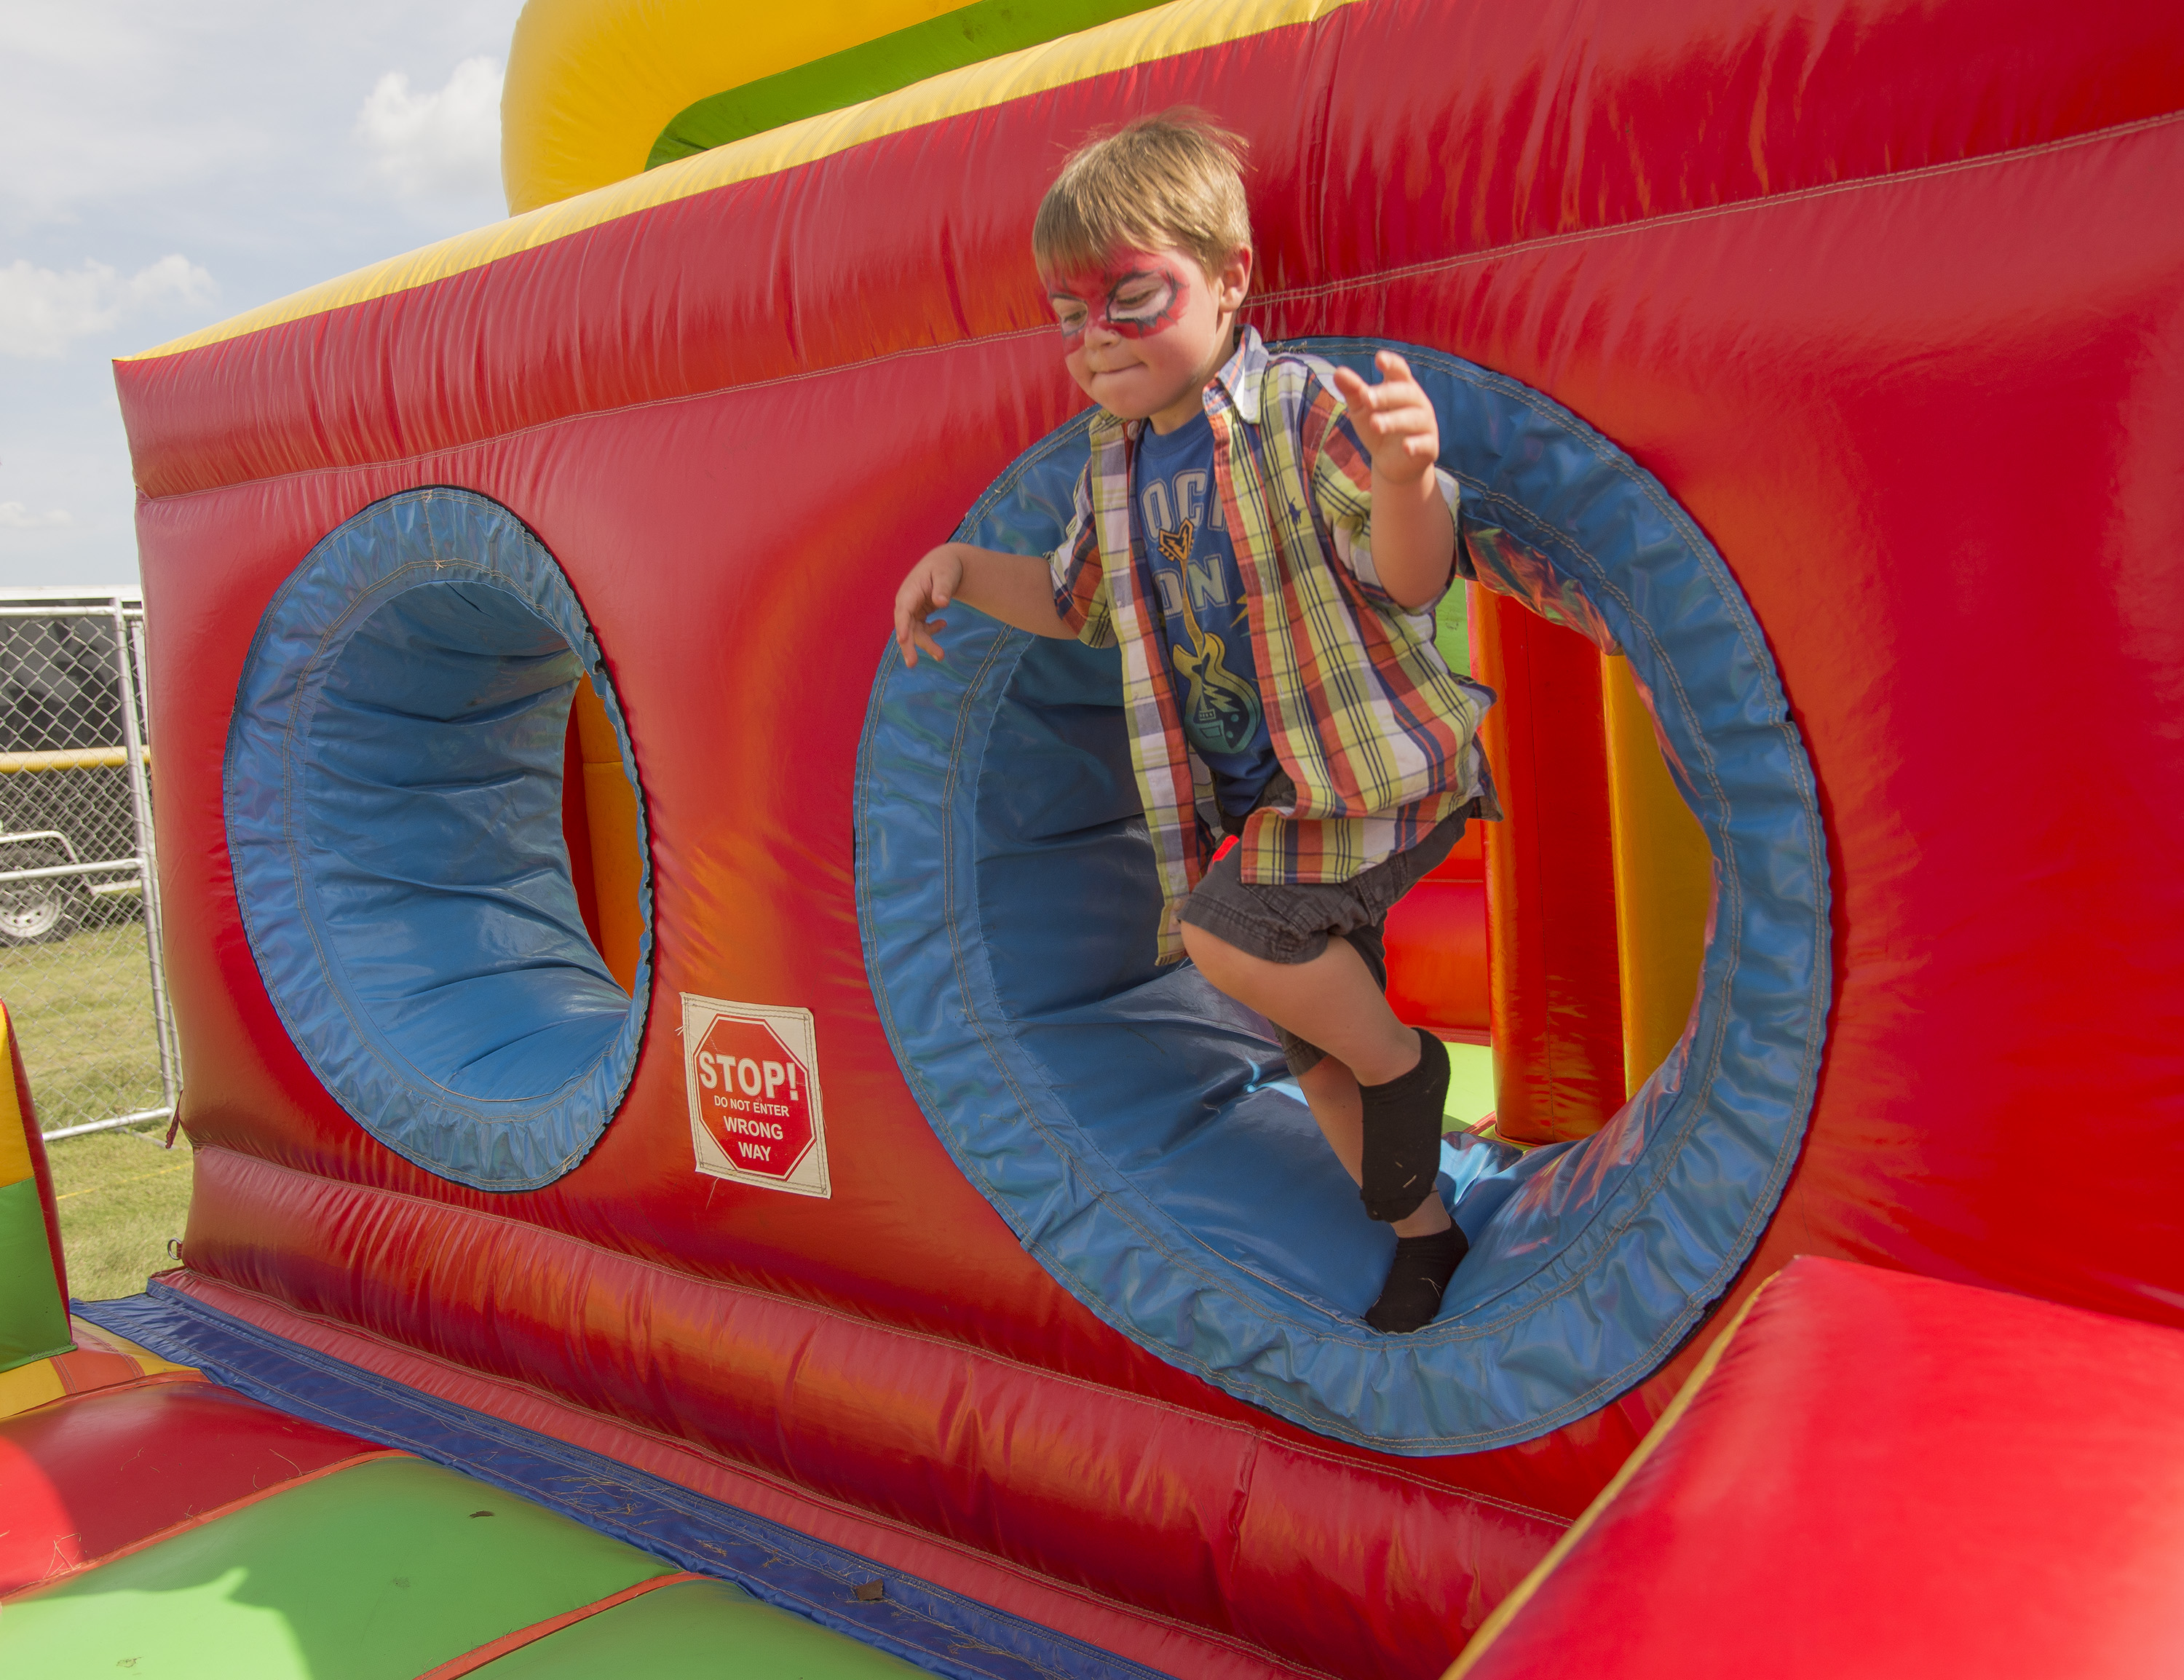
(82, 1010)
(121, 1197)
(82, 1013)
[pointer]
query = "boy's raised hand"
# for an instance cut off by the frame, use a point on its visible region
(931, 585)
(1393, 419)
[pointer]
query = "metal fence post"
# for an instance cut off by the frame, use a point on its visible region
(78, 860)
(135, 719)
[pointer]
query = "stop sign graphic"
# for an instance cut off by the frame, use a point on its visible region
(752, 1075)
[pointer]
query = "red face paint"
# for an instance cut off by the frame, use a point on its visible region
(1140, 297)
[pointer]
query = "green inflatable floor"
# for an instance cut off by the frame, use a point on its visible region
(699, 1630)
(388, 1570)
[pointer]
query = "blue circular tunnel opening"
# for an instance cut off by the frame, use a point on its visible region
(1135, 1128)
(393, 790)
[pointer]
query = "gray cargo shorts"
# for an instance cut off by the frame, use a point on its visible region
(1292, 923)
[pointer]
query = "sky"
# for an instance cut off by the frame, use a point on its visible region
(163, 167)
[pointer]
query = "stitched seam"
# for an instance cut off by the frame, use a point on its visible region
(149, 1379)
(1693, 1101)
(1732, 888)
(1712, 212)
(1081, 1149)
(200, 1519)
(1006, 1361)
(1085, 1147)
(774, 1480)
(1294, 294)
(545, 1447)
(546, 1113)
(1762, 1203)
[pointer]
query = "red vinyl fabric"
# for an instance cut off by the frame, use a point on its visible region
(1555, 999)
(40, 1168)
(100, 1473)
(1436, 945)
(1296, 1496)
(1177, 1516)
(1888, 1476)
(1875, 290)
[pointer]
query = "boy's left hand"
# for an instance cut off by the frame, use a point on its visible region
(1393, 419)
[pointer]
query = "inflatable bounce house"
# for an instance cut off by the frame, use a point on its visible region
(697, 1169)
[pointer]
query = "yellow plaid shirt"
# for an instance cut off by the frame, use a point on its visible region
(1373, 730)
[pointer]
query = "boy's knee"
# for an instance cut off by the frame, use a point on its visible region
(1215, 956)
(1201, 947)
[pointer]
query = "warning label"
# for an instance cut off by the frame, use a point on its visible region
(753, 1074)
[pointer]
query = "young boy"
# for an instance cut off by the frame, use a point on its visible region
(1267, 539)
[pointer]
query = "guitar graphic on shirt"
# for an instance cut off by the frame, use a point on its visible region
(1221, 709)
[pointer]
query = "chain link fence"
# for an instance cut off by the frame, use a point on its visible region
(79, 966)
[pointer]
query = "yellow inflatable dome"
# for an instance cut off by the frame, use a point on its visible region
(601, 90)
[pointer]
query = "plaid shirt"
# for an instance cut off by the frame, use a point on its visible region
(1367, 721)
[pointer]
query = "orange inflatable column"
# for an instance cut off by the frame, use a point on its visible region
(1554, 994)
(609, 807)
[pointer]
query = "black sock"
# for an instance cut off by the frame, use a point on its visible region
(1416, 1282)
(1402, 1134)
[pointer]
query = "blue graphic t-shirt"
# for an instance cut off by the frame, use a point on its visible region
(1178, 519)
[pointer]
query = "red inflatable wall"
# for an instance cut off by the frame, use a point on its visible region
(1880, 292)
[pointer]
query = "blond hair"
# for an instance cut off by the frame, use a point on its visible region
(1174, 179)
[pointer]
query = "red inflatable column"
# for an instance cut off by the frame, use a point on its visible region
(1437, 961)
(1554, 996)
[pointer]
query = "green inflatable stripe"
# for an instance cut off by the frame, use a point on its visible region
(704, 1631)
(33, 1317)
(379, 1573)
(969, 36)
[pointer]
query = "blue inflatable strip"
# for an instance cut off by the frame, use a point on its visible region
(1130, 1124)
(941, 1631)
(393, 799)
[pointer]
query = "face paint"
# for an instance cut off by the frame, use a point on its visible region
(1132, 302)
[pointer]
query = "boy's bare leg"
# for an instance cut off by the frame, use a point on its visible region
(1331, 1089)
(1333, 1002)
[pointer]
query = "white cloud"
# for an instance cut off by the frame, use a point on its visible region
(223, 128)
(14, 516)
(42, 311)
(436, 145)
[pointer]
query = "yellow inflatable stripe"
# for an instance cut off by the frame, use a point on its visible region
(43, 1382)
(590, 83)
(27, 1386)
(94, 1338)
(1186, 26)
(14, 1146)
(1505, 1612)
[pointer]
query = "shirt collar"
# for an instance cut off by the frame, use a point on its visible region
(1237, 383)
(1239, 376)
